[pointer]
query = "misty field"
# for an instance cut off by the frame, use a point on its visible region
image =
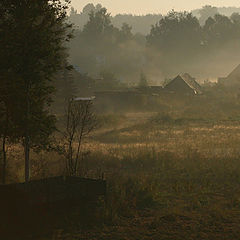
(167, 179)
(122, 127)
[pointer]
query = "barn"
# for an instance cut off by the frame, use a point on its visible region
(183, 84)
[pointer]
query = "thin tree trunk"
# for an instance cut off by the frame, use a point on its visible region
(4, 160)
(4, 140)
(27, 161)
(80, 138)
(78, 152)
(27, 138)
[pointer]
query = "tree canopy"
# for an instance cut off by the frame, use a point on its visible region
(177, 42)
(176, 29)
(32, 52)
(207, 12)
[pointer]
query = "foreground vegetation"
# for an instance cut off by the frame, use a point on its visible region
(171, 175)
(172, 182)
(167, 179)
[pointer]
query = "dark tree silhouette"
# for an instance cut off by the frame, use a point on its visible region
(80, 122)
(176, 35)
(33, 47)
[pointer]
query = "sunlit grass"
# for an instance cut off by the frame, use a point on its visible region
(167, 175)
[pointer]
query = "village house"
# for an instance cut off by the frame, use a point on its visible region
(232, 79)
(183, 84)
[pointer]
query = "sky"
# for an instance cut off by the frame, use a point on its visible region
(139, 7)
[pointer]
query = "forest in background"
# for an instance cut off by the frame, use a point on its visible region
(204, 43)
(142, 23)
(171, 163)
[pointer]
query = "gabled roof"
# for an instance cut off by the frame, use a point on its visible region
(232, 79)
(191, 82)
(235, 73)
(188, 80)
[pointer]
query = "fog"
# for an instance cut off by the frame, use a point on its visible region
(119, 120)
(203, 43)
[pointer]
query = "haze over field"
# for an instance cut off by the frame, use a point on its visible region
(154, 6)
(120, 119)
(207, 37)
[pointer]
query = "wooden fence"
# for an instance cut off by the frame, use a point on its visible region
(54, 189)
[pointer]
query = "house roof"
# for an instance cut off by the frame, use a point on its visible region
(190, 82)
(233, 78)
(235, 73)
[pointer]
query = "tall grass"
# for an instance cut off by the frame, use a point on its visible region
(180, 172)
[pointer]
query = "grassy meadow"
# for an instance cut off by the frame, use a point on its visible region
(167, 178)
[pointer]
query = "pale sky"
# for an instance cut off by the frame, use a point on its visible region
(153, 6)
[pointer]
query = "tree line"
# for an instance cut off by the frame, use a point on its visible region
(175, 40)
(142, 23)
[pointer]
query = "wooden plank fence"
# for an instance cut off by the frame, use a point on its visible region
(41, 205)
(54, 189)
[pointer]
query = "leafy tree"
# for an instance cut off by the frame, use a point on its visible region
(139, 23)
(175, 29)
(101, 46)
(65, 89)
(206, 12)
(33, 47)
(99, 34)
(220, 30)
(99, 24)
(176, 35)
(98, 7)
(97, 42)
(126, 32)
(235, 17)
(69, 89)
(89, 8)
(176, 42)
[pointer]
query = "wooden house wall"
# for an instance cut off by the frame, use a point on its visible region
(179, 86)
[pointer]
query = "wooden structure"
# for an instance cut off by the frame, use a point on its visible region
(232, 79)
(183, 84)
(37, 207)
(52, 190)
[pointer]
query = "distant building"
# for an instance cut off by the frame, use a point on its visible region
(183, 84)
(232, 79)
